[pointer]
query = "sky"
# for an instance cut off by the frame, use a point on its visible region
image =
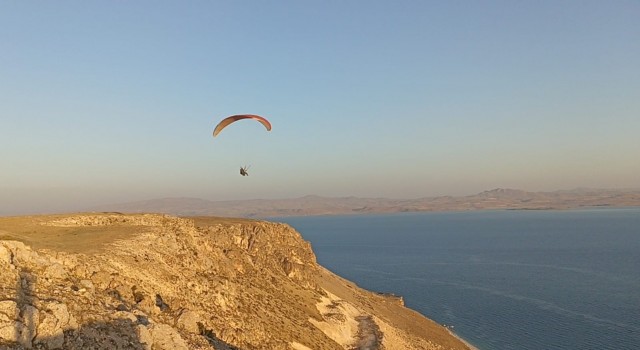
(114, 101)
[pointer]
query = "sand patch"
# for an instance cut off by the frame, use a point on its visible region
(347, 325)
(298, 346)
(338, 319)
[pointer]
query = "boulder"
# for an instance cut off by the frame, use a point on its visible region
(188, 320)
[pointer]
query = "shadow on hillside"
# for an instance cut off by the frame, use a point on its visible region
(117, 334)
(214, 341)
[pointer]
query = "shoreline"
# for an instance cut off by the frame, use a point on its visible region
(471, 346)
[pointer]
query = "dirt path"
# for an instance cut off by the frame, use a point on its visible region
(369, 334)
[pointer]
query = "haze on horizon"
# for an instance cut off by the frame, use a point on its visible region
(104, 102)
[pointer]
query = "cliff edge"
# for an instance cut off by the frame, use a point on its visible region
(148, 281)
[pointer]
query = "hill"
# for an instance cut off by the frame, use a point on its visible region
(148, 281)
(316, 205)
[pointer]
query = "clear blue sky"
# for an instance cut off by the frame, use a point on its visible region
(111, 101)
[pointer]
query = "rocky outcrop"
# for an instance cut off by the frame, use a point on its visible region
(180, 283)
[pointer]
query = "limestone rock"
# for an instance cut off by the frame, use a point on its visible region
(165, 337)
(55, 319)
(55, 271)
(101, 279)
(188, 320)
(6, 257)
(8, 319)
(144, 336)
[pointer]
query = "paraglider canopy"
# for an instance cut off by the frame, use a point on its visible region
(232, 119)
(226, 121)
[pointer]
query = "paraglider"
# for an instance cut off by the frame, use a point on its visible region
(228, 120)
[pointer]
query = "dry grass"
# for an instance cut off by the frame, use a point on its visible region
(32, 231)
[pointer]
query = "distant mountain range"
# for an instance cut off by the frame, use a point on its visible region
(498, 198)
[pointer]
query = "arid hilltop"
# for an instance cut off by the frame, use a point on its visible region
(495, 199)
(149, 281)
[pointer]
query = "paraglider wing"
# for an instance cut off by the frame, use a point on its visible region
(226, 121)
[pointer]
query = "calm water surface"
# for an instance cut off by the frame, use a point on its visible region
(503, 279)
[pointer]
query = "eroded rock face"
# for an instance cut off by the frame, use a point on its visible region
(177, 285)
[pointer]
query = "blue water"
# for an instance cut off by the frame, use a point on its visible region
(504, 279)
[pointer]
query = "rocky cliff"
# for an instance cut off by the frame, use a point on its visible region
(114, 281)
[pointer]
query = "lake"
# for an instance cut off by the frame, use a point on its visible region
(503, 279)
